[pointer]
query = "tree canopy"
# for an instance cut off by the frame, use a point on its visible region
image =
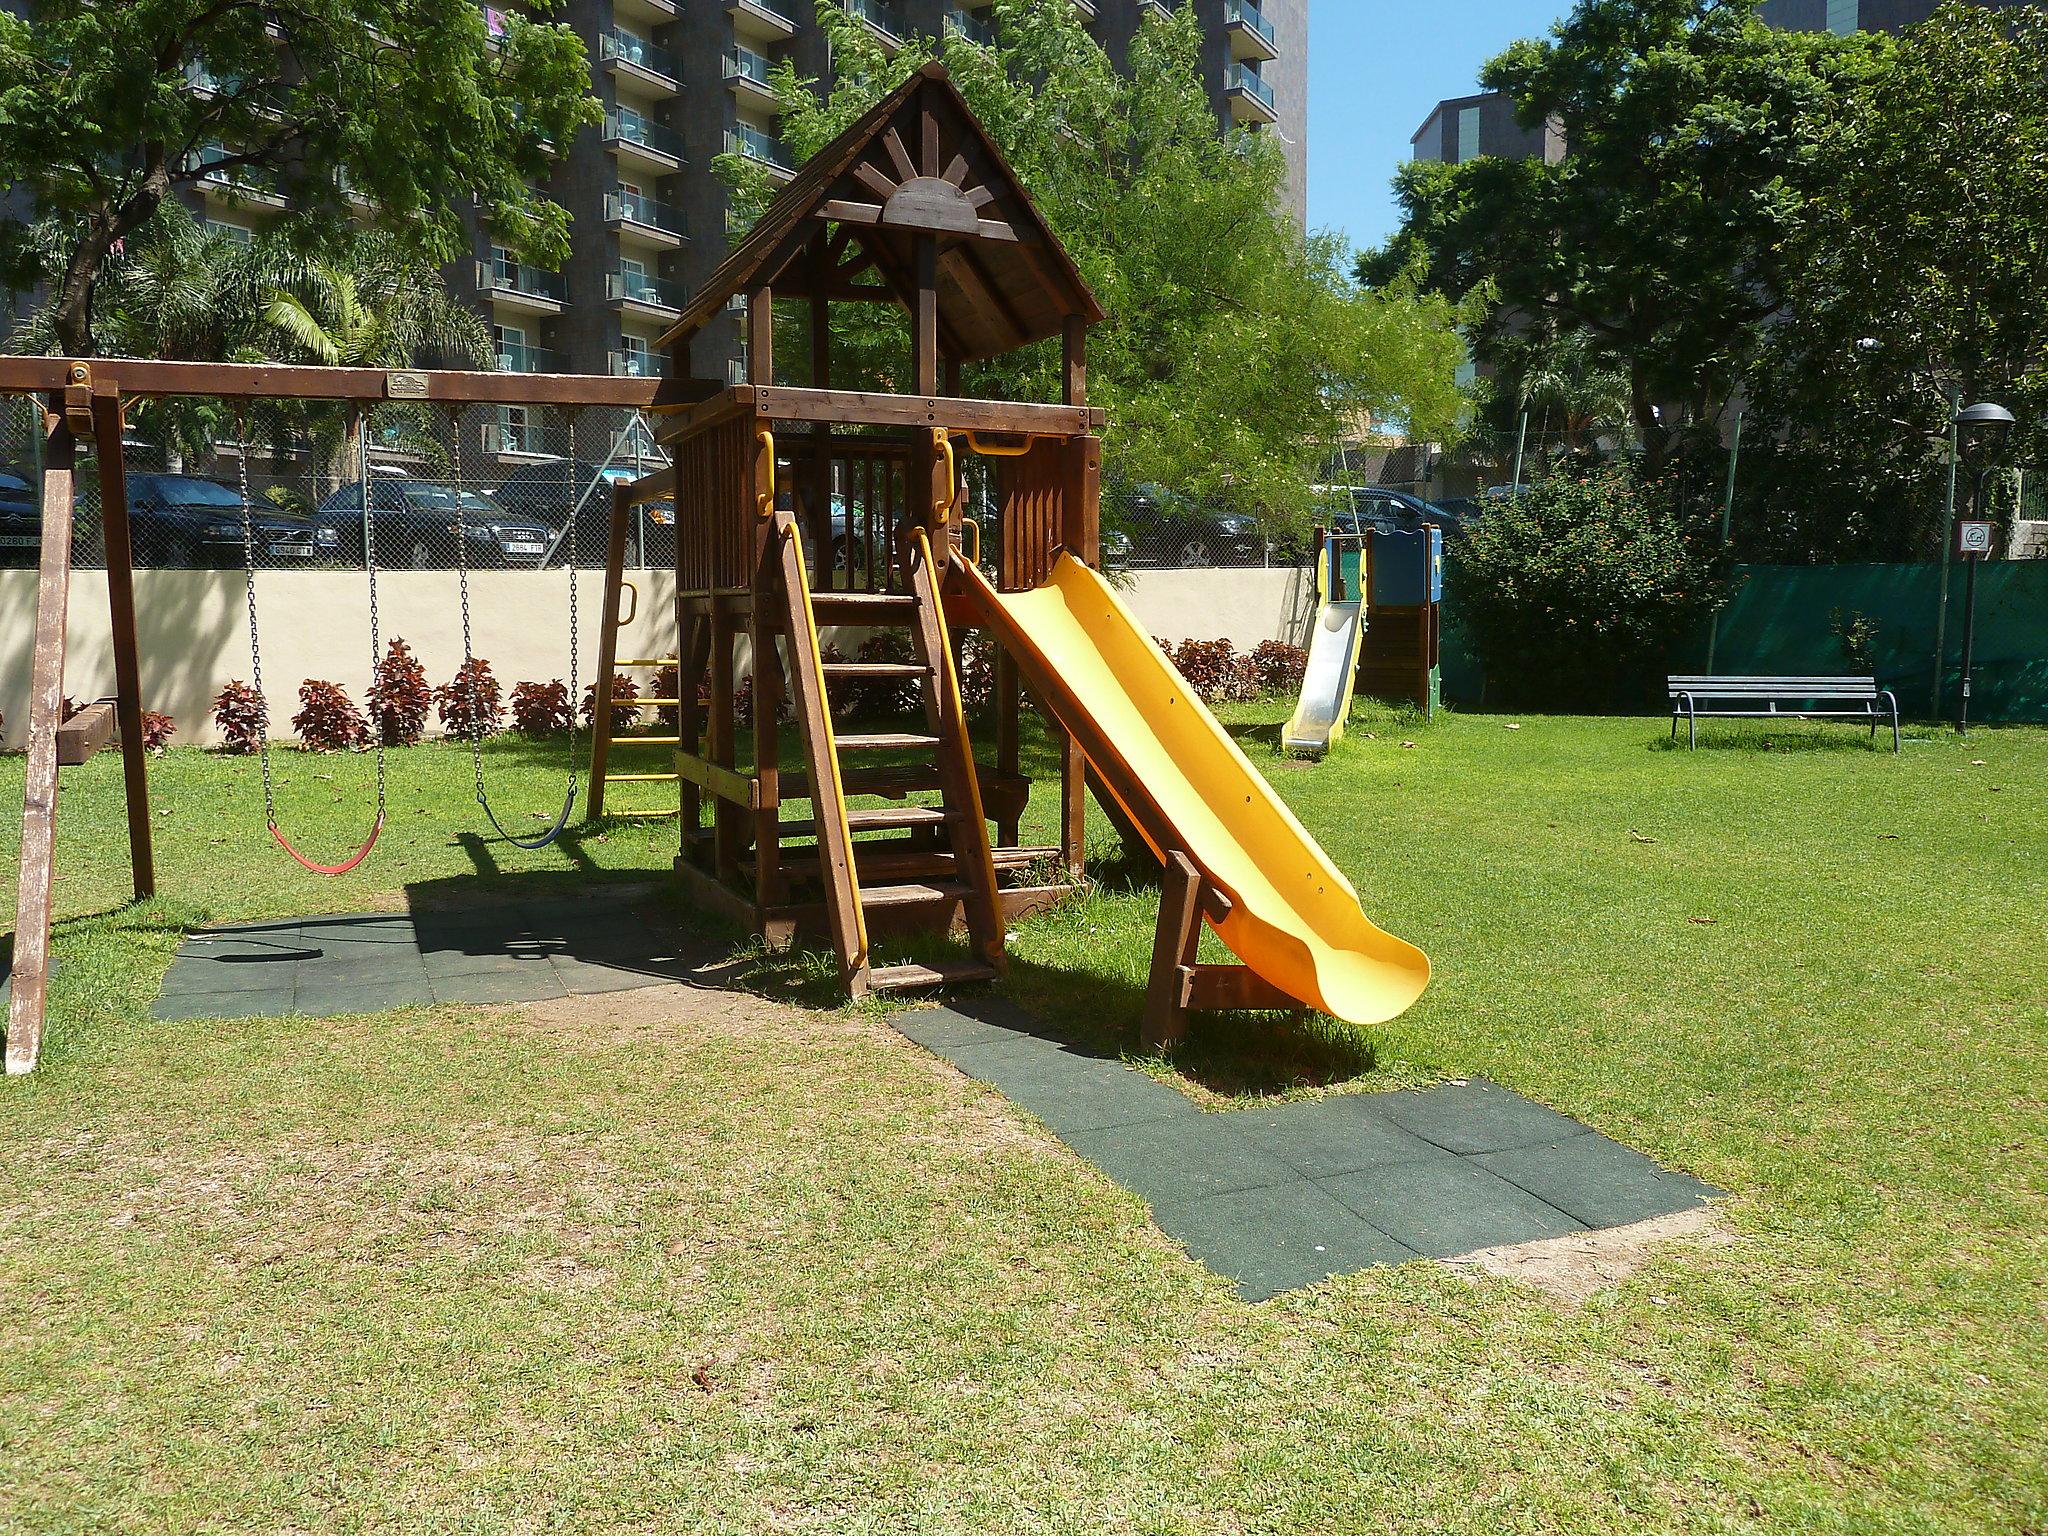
(1237, 349)
(404, 107)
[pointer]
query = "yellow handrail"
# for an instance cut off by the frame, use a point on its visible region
(943, 442)
(968, 522)
(1000, 450)
(764, 500)
(631, 613)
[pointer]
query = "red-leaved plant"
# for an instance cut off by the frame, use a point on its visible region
(1277, 667)
(666, 681)
(540, 710)
(157, 731)
(328, 720)
(400, 696)
(471, 703)
(625, 709)
(1215, 670)
(240, 715)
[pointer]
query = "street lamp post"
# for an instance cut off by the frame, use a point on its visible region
(1980, 425)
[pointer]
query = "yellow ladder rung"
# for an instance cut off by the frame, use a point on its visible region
(646, 703)
(645, 815)
(647, 741)
(649, 661)
(641, 778)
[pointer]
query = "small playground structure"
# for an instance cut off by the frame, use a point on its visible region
(1378, 628)
(807, 512)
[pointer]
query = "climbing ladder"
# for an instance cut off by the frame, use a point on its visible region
(609, 665)
(941, 854)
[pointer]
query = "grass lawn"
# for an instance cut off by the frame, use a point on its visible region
(627, 1264)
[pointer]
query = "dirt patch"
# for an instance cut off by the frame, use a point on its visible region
(1575, 1268)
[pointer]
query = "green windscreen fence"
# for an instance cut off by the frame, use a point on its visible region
(1789, 619)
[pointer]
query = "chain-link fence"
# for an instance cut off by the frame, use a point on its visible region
(312, 485)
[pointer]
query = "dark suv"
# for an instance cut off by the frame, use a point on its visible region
(414, 523)
(181, 520)
(1379, 506)
(544, 493)
(1167, 529)
(21, 524)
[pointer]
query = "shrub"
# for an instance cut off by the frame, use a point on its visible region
(328, 720)
(471, 703)
(1278, 667)
(977, 674)
(399, 696)
(668, 716)
(240, 714)
(1215, 670)
(1575, 591)
(542, 709)
(872, 698)
(157, 731)
(625, 709)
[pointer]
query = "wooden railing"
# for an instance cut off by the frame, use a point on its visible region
(850, 496)
(715, 506)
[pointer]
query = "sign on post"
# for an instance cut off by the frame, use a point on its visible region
(1973, 537)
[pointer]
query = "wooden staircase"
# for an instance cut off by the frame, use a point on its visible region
(943, 855)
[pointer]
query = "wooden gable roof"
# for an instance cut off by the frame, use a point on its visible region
(916, 163)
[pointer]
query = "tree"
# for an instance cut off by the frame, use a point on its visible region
(1661, 232)
(1237, 349)
(1916, 278)
(109, 110)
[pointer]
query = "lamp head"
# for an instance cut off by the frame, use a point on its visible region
(1986, 418)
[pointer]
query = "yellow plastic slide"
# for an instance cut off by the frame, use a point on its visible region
(1294, 918)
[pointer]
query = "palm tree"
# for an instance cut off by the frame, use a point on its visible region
(1587, 387)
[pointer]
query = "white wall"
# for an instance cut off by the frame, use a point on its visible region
(194, 635)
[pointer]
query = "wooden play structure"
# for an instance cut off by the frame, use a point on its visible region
(807, 517)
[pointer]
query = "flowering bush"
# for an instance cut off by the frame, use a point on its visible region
(1575, 591)
(541, 709)
(240, 715)
(157, 731)
(625, 708)
(399, 696)
(471, 703)
(328, 720)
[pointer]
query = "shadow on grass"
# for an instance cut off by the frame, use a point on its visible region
(1811, 736)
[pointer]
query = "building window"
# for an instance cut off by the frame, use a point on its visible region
(1844, 16)
(241, 234)
(1468, 134)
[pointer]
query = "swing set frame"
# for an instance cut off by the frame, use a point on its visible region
(84, 401)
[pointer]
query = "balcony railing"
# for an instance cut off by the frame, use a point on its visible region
(639, 288)
(246, 180)
(782, 10)
(640, 365)
(750, 141)
(517, 357)
(628, 126)
(743, 63)
(638, 208)
(881, 15)
(624, 48)
(1241, 78)
(971, 25)
(1243, 13)
(501, 274)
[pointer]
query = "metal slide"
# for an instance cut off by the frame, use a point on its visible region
(1293, 918)
(1318, 720)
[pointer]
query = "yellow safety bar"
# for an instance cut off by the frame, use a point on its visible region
(943, 442)
(764, 500)
(1000, 450)
(631, 613)
(968, 522)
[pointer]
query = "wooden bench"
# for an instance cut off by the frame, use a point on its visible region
(1794, 698)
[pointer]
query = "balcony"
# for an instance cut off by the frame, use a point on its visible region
(643, 216)
(746, 73)
(234, 184)
(517, 357)
(972, 25)
(644, 292)
(517, 285)
(760, 147)
(629, 134)
(1086, 8)
(638, 59)
(1251, 34)
(1250, 97)
(640, 365)
(1155, 7)
(765, 18)
(884, 20)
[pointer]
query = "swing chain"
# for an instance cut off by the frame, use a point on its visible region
(370, 562)
(255, 641)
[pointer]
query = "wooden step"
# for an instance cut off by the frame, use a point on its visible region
(887, 818)
(892, 671)
(885, 741)
(894, 781)
(868, 608)
(910, 894)
(904, 978)
(882, 862)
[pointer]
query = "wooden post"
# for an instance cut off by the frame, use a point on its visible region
(608, 652)
(761, 629)
(120, 547)
(926, 315)
(761, 337)
(691, 656)
(1008, 696)
(31, 974)
(1078, 519)
(1173, 950)
(724, 834)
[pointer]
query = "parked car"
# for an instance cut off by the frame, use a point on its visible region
(414, 523)
(1168, 530)
(21, 524)
(544, 492)
(1382, 507)
(182, 521)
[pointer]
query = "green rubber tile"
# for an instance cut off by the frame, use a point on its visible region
(267, 973)
(1339, 1134)
(1178, 1161)
(384, 969)
(527, 986)
(222, 1005)
(461, 962)
(1276, 1239)
(1600, 1182)
(1475, 1116)
(579, 978)
(1447, 1205)
(326, 1000)
(1069, 1091)
(945, 1030)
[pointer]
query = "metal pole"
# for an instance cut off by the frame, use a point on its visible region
(1521, 439)
(1969, 640)
(1948, 539)
(1727, 523)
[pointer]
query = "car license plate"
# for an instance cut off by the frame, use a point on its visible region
(292, 551)
(522, 548)
(18, 541)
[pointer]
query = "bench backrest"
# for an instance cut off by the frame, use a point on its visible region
(1774, 687)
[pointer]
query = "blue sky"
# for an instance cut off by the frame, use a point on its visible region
(1376, 67)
